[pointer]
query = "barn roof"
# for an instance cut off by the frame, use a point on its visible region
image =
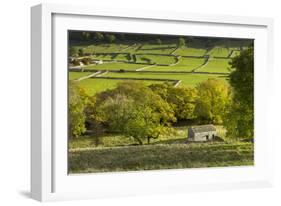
(203, 128)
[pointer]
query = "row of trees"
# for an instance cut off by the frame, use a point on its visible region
(111, 37)
(143, 112)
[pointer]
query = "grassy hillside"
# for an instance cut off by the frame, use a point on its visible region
(151, 157)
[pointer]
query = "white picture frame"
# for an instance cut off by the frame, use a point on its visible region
(49, 178)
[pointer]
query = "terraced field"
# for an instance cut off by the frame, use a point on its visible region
(156, 59)
(116, 66)
(186, 79)
(77, 75)
(219, 52)
(103, 48)
(216, 65)
(106, 56)
(139, 61)
(190, 52)
(94, 85)
(157, 49)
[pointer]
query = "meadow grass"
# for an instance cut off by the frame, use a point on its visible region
(191, 79)
(94, 85)
(216, 65)
(103, 48)
(219, 52)
(186, 51)
(177, 135)
(77, 75)
(160, 156)
(235, 53)
(158, 49)
(185, 65)
(116, 66)
(155, 59)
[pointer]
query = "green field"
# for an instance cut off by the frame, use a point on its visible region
(185, 65)
(120, 57)
(116, 66)
(102, 48)
(186, 79)
(156, 59)
(157, 49)
(111, 152)
(219, 52)
(77, 75)
(235, 53)
(186, 51)
(160, 156)
(94, 85)
(216, 65)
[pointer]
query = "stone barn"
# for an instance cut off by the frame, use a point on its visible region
(201, 133)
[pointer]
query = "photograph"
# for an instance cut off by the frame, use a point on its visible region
(139, 101)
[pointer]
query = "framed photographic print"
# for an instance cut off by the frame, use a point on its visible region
(137, 102)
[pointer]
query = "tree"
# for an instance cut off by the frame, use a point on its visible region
(158, 41)
(81, 52)
(132, 109)
(77, 104)
(110, 38)
(98, 36)
(181, 42)
(73, 51)
(181, 99)
(212, 101)
(240, 117)
(86, 36)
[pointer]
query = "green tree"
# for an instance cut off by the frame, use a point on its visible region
(240, 117)
(81, 52)
(86, 36)
(181, 99)
(77, 104)
(73, 51)
(134, 110)
(110, 38)
(212, 101)
(159, 41)
(181, 42)
(98, 36)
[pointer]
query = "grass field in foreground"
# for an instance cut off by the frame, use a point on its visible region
(152, 157)
(116, 66)
(216, 65)
(187, 79)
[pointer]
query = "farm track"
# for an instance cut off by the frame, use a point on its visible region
(128, 47)
(145, 67)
